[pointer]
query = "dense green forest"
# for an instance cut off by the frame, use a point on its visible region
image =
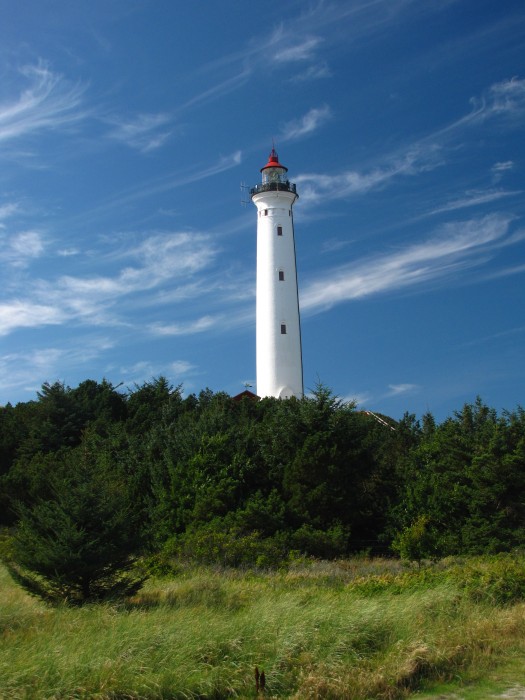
(243, 482)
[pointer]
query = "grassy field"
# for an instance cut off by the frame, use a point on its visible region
(358, 630)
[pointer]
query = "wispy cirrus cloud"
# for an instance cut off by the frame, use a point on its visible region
(144, 133)
(495, 336)
(331, 23)
(506, 272)
(179, 367)
(399, 389)
(185, 328)
(304, 50)
(316, 71)
(24, 369)
(502, 100)
(48, 103)
(506, 97)
(499, 169)
(418, 158)
(454, 246)
(313, 120)
(68, 252)
(218, 90)
(29, 314)
(160, 260)
(299, 41)
(28, 369)
(168, 182)
(357, 398)
(393, 390)
(143, 370)
(7, 210)
(299, 51)
(19, 249)
(474, 198)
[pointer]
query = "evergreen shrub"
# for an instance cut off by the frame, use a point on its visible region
(214, 544)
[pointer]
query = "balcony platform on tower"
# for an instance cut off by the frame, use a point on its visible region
(273, 187)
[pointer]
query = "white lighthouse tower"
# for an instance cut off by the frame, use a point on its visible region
(278, 343)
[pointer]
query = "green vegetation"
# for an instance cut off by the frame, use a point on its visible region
(350, 629)
(77, 542)
(93, 480)
(259, 525)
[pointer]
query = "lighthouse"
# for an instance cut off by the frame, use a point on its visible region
(278, 333)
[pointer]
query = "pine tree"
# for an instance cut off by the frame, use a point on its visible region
(79, 543)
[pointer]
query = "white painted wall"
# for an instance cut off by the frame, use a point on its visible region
(279, 357)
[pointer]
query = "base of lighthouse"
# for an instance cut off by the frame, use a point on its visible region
(278, 334)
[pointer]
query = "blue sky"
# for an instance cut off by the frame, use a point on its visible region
(128, 126)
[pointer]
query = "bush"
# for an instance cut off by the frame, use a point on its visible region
(498, 580)
(231, 547)
(415, 542)
(326, 544)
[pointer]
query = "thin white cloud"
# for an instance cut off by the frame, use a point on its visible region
(502, 101)
(329, 23)
(144, 133)
(159, 260)
(188, 328)
(333, 245)
(495, 336)
(313, 120)
(298, 40)
(19, 249)
(317, 71)
(144, 370)
(28, 314)
(503, 167)
(169, 182)
(499, 169)
(358, 399)
(179, 367)
(317, 187)
(399, 389)
(218, 90)
(7, 210)
(46, 357)
(455, 246)
(49, 102)
(27, 370)
(474, 198)
(300, 51)
(68, 252)
(507, 97)
(506, 272)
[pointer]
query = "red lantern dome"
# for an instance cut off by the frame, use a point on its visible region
(273, 161)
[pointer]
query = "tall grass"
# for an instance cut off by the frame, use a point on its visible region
(352, 630)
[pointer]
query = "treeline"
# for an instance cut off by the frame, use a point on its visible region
(247, 482)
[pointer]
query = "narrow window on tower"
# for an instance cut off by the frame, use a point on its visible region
(283, 328)
(279, 230)
(281, 275)
(266, 212)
